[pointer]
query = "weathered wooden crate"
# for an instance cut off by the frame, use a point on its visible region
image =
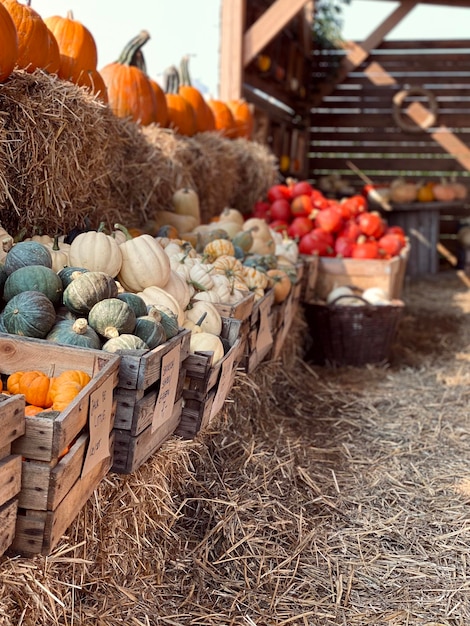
(64, 456)
(309, 277)
(259, 341)
(240, 310)
(12, 426)
(362, 273)
(149, 401)
(283, 314)
(207, 387)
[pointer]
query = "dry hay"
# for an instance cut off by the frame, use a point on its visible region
(65, 157)
(224, 172)
(322, 496)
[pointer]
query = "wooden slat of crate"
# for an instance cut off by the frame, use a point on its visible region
(240, 310)
(44, 439)
(256, 347)
(130, 452)
(135, 406)
(140, 370)
(10, 478)
(7, 524)
(38, 532)
(12, 419)
(5, 451)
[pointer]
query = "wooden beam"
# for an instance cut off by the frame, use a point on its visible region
(453, 3)
(231, 49)
(273, 20)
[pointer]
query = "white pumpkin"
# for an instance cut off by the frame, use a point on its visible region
(213, 320)
(207, 342)
(178, 288)
(144, 264)
(97, 252)
(200, 276)
(157, 295)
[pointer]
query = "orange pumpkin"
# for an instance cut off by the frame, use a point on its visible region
(33, 36)
(243, 117)
(130, 93)
(64, 394)
(9, 47)
(161, 114)
(181, 115)
(281, 284)
(224, 120)
(31, 409)
(34, 385)
(53, 64)
(204, 116)
(77, 46)
(13, 382)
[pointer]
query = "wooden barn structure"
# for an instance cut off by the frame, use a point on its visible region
(376, 109)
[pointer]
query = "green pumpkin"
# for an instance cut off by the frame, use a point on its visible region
(243, 240)
(34, 278)
(135, 302)
(69, 273)
(167, 318)
(30, 314)
(86, 290)
(150, 330)
(112, 317)
(26, 253)
(74, 333)
(124, 343)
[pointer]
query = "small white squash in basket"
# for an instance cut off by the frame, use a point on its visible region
(376, 296)
(343, 296)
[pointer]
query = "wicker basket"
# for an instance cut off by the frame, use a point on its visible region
(352, 335)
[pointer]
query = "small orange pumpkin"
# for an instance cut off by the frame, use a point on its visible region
(64, 394)
(34, 385)
(244, 122)
(31, 409)
(181, 114)
(13, 382)
(204, 116)
(223, 116)
(281, 284)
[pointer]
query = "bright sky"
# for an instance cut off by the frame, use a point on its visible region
(179, 27)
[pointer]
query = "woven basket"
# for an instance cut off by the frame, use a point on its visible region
(352, 335)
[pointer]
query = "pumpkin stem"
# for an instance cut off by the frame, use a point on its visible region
(20, 235)
(184, 71)
(171, 80)
(128, 54)
(80, 326)
(124, 230)
(70, 14)
(101, 227)
(201, 319)
(55, 245)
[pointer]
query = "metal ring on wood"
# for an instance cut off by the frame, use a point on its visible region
(409, 126)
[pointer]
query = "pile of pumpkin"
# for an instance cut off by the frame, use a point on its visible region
(65, 47)
(402, 191)
(120, 292)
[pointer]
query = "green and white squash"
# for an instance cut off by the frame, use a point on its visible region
(29, 314)
(86, 290)
(112, 317)
(75, 332)
(34, 278)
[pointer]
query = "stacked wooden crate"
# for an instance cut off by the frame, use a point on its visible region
(260, 340)
(149, 401)
(64, 454)
(283, 314)
(12, 426)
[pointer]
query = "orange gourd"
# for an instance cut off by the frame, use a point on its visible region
(280, 283)
(77, 376)
(9, 47)
(130, 93)
(76, 44)
(224, 120)
(64, 394)
(31, 409)
(33, 36)
(181, 115)
(243, 117)
(13, 382)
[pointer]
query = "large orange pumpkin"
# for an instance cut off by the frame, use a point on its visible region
(204, 116)
(130, 93)
(161, 114)
(76, 45)
(33, 36)
(53, 63)
(9, 47)
(181, 115)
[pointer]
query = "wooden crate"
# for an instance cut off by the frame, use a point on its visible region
(362, 273)
(283, 314)
(148, 401)
(207, 387)
(240, 310)
(12, 426)
(259, 341)
(56, 484)
(309, 277)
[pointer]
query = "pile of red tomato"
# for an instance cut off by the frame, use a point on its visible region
(329, 227)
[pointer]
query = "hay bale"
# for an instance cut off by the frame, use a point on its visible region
(64, 157)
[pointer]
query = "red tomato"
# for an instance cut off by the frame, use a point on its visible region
(329, 220)
(344, 247)
(301, 205)
(280, 210)
(300, 188)
(279, 225)
(371, 224)
(261, 209)
(315, 243)
(390, 244)
(299, 227)
(368, 249)
(276, 192)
